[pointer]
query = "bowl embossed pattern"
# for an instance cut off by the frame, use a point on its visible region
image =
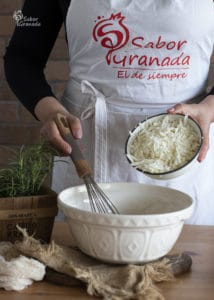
(150, 221)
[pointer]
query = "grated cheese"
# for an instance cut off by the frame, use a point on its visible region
(164, 144)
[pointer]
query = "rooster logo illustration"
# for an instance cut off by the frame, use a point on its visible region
(18, 16)
(111, 33)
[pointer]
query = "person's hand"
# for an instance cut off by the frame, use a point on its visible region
(46, 111)
(203, 113)
(50, 132)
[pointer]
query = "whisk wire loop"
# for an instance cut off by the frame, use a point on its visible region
(99, 201)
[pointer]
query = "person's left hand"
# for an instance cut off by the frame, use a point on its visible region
(203, 114)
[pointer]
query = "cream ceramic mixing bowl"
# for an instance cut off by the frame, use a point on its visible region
(150, 221)
(151, 153)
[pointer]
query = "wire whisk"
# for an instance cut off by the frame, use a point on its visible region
(99, 201)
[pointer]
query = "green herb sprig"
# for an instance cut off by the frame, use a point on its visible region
(28, 171)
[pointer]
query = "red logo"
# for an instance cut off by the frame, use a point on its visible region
(111, 33)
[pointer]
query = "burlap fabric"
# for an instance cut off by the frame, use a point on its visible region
(111, 282)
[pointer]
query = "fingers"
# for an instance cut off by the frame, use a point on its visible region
(51, 133)
(76, 127)
(204, 149)
(205, 144)
(181, 108)
(193, 111)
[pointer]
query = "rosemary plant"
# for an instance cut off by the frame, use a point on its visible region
(28, 171)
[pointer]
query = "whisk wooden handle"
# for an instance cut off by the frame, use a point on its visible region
(82, 167)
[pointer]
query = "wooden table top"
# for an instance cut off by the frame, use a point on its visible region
(196, 285)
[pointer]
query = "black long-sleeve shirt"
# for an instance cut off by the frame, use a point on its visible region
(29, 48)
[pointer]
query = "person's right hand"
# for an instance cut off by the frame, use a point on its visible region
(51, 133)
(46, 111)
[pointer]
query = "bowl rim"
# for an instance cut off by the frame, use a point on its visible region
(136, 217)
(174, 170)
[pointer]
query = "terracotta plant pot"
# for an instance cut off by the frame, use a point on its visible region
(35, 213)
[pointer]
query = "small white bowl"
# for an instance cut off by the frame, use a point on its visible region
(150, 221)
(175, 172)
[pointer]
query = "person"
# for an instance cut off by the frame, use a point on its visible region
(129, 59)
